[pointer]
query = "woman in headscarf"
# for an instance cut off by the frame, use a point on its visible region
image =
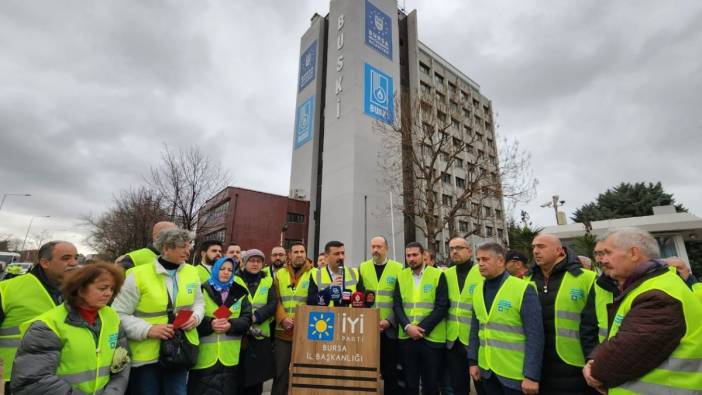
(257, 354)
(227, 319)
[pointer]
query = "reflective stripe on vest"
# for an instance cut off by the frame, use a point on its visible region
(291, 297)
(419, 302)
(259, 300)
(23, 298)
(142, 256)
(570, 302)
(384, 287)
(460, 310)
(153, 304)
(602, 299)
(219, 347)
(501, 332)
(681, 373)
(82, 363)
(322, 279)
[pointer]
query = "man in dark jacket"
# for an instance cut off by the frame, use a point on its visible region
(23, 298)
(569, 318)
(650, 349)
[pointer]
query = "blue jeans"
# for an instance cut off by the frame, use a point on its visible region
(153, 379)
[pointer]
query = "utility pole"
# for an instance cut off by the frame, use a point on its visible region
(556, 203)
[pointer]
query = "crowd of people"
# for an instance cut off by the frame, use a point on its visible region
(155, 324)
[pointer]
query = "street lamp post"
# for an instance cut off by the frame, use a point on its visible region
(29, 228)
(5, 195)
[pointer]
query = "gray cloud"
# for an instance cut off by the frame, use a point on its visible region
(599, 92)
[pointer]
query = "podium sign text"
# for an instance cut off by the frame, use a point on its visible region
(335, 350)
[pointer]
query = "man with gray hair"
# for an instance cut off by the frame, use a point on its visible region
(152, 295)
(654, 344)
(25, 297)
(506, 334)
(147, 254)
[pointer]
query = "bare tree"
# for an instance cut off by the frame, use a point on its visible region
(444, 148)
(185, 180)
(127, 225)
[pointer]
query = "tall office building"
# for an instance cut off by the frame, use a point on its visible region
(355, 64)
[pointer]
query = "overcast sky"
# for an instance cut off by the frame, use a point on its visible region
(598, 91)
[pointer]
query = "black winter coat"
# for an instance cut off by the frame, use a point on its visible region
(218, 379)
(256, 361)
(558, 377)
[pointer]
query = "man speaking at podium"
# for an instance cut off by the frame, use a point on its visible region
(340, 280)
(379, 275)
(420, 304)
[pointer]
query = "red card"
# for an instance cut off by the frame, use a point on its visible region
(181, 318)
(222, 312)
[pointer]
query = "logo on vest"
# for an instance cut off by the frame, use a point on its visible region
(191, 287)
(471, 289)
(263, 289)
(321, 326)
(305, 284)
(427, 288)
(504, 305)
(113, 340)
(618, 319)
(577, 294)
(390, 280)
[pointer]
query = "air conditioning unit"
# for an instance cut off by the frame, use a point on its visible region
(298, 194)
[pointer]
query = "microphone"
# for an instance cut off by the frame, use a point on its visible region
(323, 297)
(335, 293)
(346, 297)
(357, 299)
(370, 299)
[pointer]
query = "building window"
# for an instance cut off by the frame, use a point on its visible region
(475, 208)
(441, 117)
(424, 68)
(439, 79)
(491, 143)
(488, 231)
(500, 233)
(488, 211)
(441, 98)
(476, 103)
(446, 200)
(463, 226)
(426, 89)
(456, 125)
(444, 156)
(452, 89)
(457, 143)
(446, 178)
(460, 183)
(219, 211)
(458, 162)
(498, 214)
(295, 218)
(217, 235)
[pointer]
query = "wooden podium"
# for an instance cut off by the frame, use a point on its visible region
(336, 350)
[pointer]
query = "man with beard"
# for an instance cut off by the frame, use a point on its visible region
(292, 284)
(210, 251)
(233, 251)
(277, 261)
(27, 296)
(331, 274)
(568, 311)
(461, 278)
(420, 303)
(379, 275)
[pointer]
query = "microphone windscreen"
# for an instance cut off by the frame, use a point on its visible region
(370, 299)
(357, 299)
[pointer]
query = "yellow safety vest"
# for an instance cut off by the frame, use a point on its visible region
(219, 346)
(681, 373)
(83, 363)
(142, 256)
(418, 302)
(383, 287)
(292, 297)
(23, 298)
(603, 298)
(203, 273)
(323, 280)
(461, 303)
(153, 305)
(258, 300)
(501, 332)
(697, 290)
(570, 301)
